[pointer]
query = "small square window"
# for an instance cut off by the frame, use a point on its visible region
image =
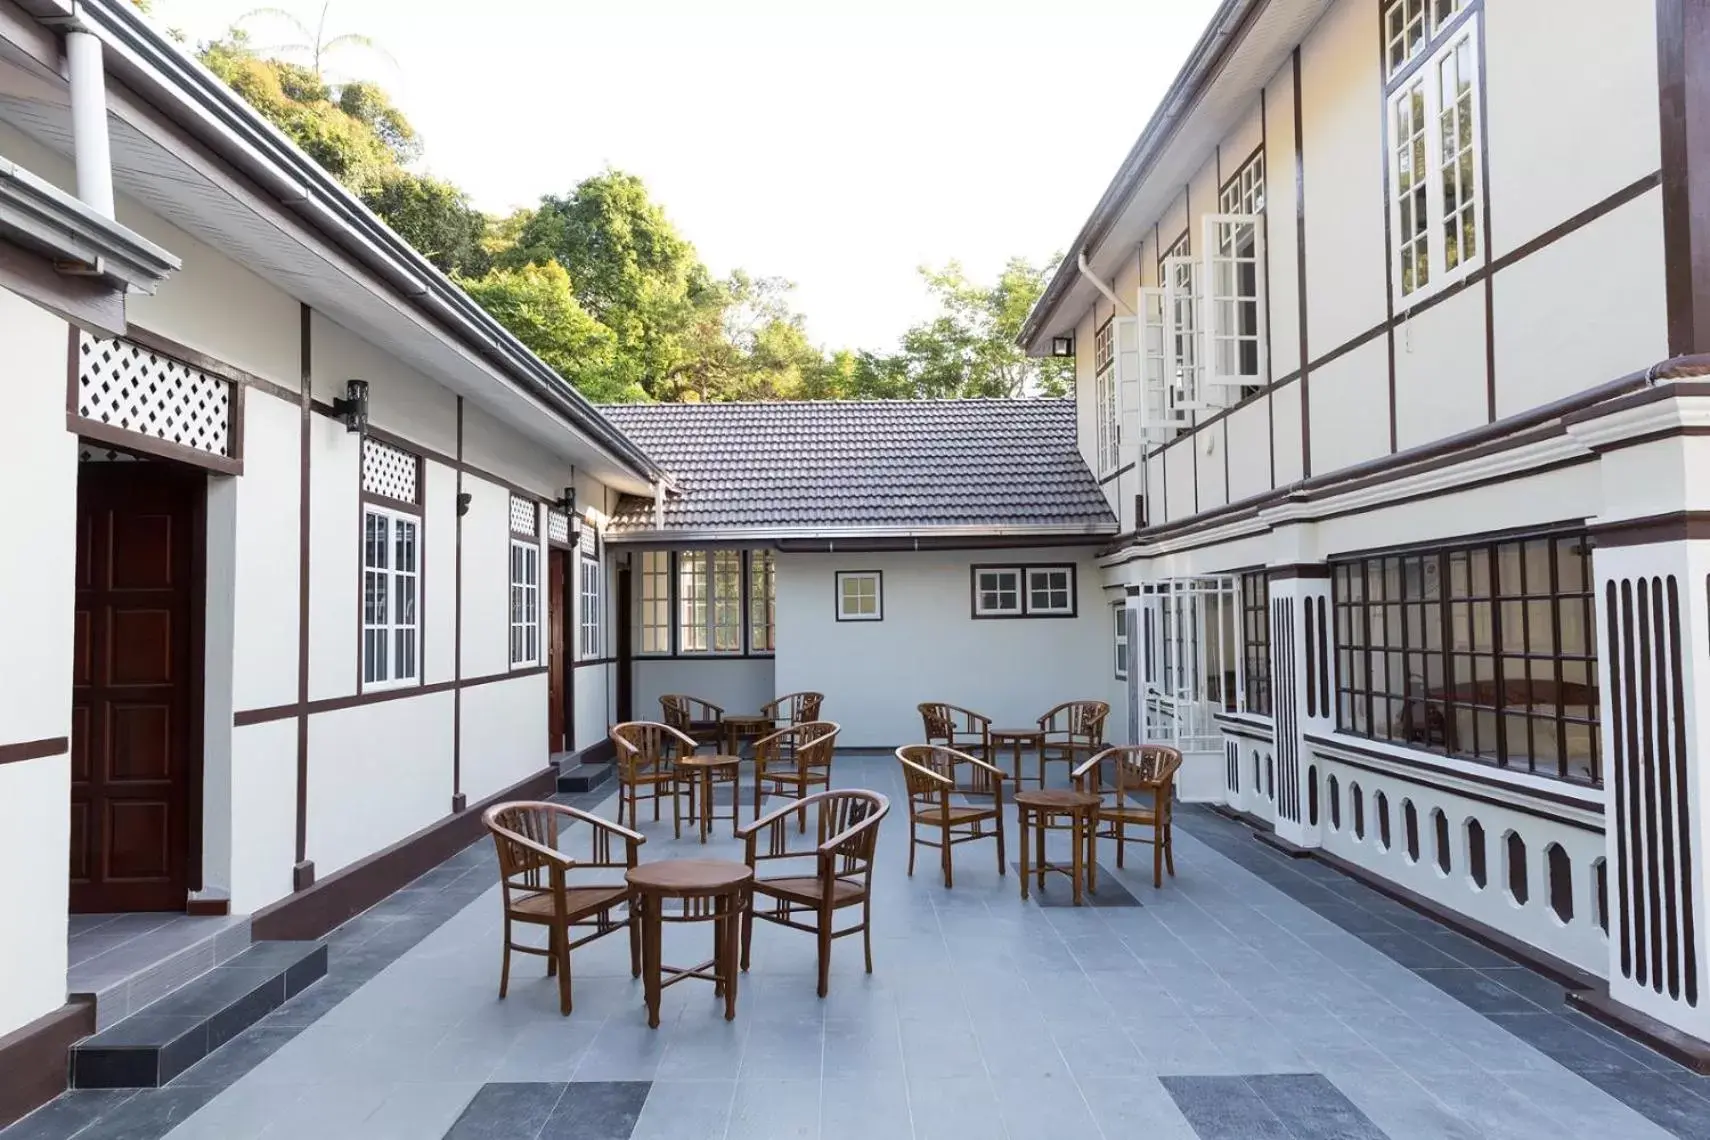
(997, 592)
(860, 595)
(1050, 591)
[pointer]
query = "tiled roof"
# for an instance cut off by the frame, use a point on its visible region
(888, 466)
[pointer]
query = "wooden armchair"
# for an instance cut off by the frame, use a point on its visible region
(842, 874)
(929, 771)
(701, 721)
(531, 873)
(952, 726)
(1074, 731)
(1136, 788)
(793, 761)
(646, 758)
(794, 708)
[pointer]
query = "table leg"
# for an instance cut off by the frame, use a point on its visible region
(706, 801)
(650, 966)
(1021, 819)
(1041, 826)
(1077, 852)
(1091, 826)
(732, 932)
(720, 917)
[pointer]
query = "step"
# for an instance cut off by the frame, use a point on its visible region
(584, 777)
(124, 962)
(149, 1048)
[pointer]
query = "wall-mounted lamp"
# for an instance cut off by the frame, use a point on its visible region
(353, 409)
(567, 505)
(464, 498)
(1062, 346)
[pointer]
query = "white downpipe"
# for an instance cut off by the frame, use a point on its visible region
(89, 121)
(1110, 294)
(659, 506)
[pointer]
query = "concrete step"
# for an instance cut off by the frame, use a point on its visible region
(125, 962)
(151, 1047)
(584, 777)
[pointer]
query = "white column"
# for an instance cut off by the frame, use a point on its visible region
(1303, 690)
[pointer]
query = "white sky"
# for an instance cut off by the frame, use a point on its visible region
(837, 143)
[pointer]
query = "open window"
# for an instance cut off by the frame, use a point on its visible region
(1191, 660)
(1233, 279)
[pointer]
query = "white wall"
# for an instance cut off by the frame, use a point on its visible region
(378, 773)
(263, 813)
(736, 684)
(504, 734)
(928, 647)
(37, 570)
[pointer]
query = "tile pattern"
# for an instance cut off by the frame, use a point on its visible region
(984, 1017)
(1284, 1106)
(130, 960)
(816, 464)
(589, 1110)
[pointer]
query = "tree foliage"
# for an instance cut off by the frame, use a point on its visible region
(602, 285)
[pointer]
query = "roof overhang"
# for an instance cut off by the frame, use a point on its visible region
(40, 216)
(871, 538)
(1242, 48)
(191, 150)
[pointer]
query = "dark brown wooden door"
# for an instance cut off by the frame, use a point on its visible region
(557, 647)
(132, 687)
(625, 649)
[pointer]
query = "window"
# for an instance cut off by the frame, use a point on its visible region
(1120, 612)
(1244, 193)
(1256, 641)
(1486, 651)
(592, 598)
(1190, 657)
(654, 621)
(860, 595)
(1404, 28)
(1434, 177)
(391, 594)
(525, 602)
(1104, 378)
(722, 596)
(762, 602)
(1023, 591)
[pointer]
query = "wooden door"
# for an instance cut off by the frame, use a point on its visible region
(558, 619)
(133, 687)
(625, 648)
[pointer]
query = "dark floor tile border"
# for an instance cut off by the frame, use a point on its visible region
(586, 1110)
(357, 950)
(1679, 1047)
(32, 1058)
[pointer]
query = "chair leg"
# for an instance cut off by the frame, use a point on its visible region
(801, 814)
(1003, 861)
(911, 843)
(1157, 860)
(551, 952)
(1170, 848)
(677, 810)
(948, 862)
(867, 929)
(824, 952)
(1121, 842)
(564, 972)
(747, 934)
(505, 965)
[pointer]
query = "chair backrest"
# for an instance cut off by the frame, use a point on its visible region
(935, 718)
(522, 867)
(808, 745)
(929, 773)
(676, 711)
(1083, 720)
(852, 814)
(1143, 769)
(643, 745)
(797, 708)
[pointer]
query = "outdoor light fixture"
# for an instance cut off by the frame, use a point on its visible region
(1062, 346)
(464, 498)
(567, 505)
(353, 409)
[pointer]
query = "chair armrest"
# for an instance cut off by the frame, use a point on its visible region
(830, 846)
(1089, 767)
(598, 821)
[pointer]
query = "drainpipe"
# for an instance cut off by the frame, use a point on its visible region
(89, 119)
(659, 506)
(1086, 271)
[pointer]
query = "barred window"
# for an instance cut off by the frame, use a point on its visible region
(1485, 651)
(1256, 641)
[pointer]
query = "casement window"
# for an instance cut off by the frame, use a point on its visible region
(1409, 26)
(525, 602)
(593, 600)
(1244, 193)
(1190, 660)
(391, 598)
(1485, 651)
(1104, 381)
(1119, 614)
(1023, 591)
(762, 602)
(719, 597)
(1435, 182)
(1256, 643)
(860, 595)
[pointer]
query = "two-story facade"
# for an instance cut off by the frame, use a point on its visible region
(1386, 336)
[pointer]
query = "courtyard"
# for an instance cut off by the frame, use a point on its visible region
(1253, 997)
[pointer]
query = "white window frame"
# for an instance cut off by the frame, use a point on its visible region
(1160, 419)
(1244, 192)
(998, 589)
(1104, 380)
(845, 578)
(1021, 578)
(1119, 641)
(525, 602)
(680, 611)
(762, 593)
(1232, 316)
(1409, 26)
(1192, 634)
(591, 598)
(399, 598)
(654, 621)
(1425, 134)
(1034, 609)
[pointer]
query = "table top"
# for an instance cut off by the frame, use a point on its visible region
(689, 876)
(747, 718)
(1055, 798)
(705, 761)
(1010, 733)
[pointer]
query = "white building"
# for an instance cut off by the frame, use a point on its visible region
(1387, 334)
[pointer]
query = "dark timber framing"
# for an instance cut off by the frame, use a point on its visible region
(303, 870)
(1300, 271)
(458, 800)
(1683, 97)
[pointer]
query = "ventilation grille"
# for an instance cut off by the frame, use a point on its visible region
(558, 527)
(390, 472)
(124, 385)
(105, 455)
(1232, 765)
(1659, 938)
(1286, 706)
(522, 516)
(590, 542)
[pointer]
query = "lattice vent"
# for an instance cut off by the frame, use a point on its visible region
(558, 527)
(522, 516)
(127, 386)
(106, 455)
(590, 542)
(390, 471)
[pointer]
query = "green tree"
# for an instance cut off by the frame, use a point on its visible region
(539, 306)
(312, 44)
(969, 349)
(435, 217)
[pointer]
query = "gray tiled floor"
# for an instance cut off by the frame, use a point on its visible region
(1252, 997)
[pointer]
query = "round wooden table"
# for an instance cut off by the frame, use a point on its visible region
(707, 773)
(711, 890)
(740, 728)
(1059, 810)
(1017, 739)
